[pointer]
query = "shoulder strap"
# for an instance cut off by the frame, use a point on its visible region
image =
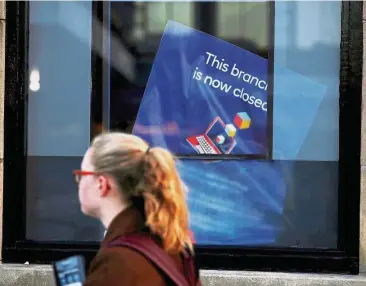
(147, 247)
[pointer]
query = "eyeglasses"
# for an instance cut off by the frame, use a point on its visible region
(79, 173)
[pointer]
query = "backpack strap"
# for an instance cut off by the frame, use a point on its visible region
(191, 272)
(146, 246)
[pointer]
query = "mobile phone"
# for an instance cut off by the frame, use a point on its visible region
(70, 271)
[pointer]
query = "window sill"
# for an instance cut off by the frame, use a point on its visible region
(38, 275)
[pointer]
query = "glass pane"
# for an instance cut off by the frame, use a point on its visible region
(58, 119)
(307, 41)
(288, 200)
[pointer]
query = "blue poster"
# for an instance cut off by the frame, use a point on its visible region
(204, 96)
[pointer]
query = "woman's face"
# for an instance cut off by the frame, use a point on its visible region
(88, 189)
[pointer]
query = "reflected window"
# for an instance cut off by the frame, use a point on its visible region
(244, 21)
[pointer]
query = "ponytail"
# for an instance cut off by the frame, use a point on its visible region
(151, 174)
(165, 206)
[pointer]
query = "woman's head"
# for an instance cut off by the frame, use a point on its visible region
(123, 167)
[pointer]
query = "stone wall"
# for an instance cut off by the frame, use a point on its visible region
(363, 158)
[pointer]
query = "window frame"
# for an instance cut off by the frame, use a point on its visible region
(344, 259)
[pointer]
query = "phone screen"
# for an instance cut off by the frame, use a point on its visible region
(70, 271)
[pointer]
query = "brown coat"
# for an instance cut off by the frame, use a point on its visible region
(120, 265)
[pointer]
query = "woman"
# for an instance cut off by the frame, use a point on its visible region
(133, 189)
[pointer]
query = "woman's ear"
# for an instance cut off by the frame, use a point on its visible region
(103, 185)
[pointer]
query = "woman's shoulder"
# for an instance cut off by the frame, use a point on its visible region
(115, 265)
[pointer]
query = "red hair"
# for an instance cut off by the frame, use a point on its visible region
(165, 205)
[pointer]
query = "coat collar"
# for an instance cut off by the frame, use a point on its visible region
(128, 221)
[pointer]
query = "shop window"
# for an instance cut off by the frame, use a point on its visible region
(87, 66)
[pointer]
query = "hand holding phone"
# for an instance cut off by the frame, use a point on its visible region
(70, 271)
